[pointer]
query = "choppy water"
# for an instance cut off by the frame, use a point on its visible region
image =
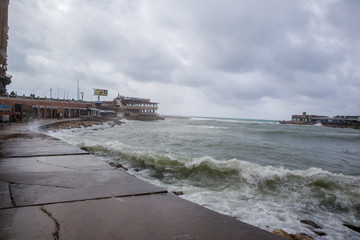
(266, 174)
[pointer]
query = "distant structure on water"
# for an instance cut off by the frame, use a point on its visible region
(336, 121)
(133, 108)
(5, 79)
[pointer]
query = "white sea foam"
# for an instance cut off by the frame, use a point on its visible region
(269, 193)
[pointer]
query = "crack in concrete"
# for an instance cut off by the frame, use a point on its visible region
(11, 196)
(41, 185)
(57, 225)
(89, 199)
(51, 164)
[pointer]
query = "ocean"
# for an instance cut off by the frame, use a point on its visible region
(259, 172)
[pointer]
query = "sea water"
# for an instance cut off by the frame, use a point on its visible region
(262, 173)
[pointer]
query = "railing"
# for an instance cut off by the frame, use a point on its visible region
(41, 98)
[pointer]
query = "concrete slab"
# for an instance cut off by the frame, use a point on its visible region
(160, 216)
(35, 144)
(53, 187)
(51, 164)
(5, 198)
(26, 223)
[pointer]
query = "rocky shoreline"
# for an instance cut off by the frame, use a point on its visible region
(314, 227)
(78, 123)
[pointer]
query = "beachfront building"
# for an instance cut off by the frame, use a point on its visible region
(336, 121)
(5, 79)
(133, 108)
(308, 118)
(31, 107)
(304, 118)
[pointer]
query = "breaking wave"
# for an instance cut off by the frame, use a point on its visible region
(335, 192)
(268, 175)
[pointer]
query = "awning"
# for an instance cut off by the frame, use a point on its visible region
(3, 108)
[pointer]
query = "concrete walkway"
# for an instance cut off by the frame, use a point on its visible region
(52, 190)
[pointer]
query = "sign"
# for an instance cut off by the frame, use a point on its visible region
(100, 92)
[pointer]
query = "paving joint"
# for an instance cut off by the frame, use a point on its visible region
(88, 199)
(47, 155)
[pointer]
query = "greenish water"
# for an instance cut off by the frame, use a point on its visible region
(266, 174)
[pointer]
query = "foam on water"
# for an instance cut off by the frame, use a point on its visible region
(265, 195)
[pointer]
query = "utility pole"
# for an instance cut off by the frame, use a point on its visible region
(50, 92)
(78, 90)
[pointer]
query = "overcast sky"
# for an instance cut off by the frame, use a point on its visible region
(227, 58)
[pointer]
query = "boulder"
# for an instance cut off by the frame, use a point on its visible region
(178, 193)
(119, 165)
(319, 233)
(311, 223)
(290, 236)
(85, 149)
(352, 227)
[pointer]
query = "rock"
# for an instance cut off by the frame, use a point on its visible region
(304, 235)
(311, 223)
(136, 170)
(352, 227)
(289, 236)
(119, 165)
(320, 233)
(178, 193)
(281, 233)
(85, 149)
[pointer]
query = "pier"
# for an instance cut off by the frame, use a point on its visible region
(52, 190)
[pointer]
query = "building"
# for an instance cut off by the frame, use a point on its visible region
(336, 121)
(31, 108)
(133, 108)
(304, 118)
(27, 108)
(5, 79)
(308, 118)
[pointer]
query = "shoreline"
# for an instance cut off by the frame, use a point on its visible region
(64, 190)
(332, 125)
(280, 232)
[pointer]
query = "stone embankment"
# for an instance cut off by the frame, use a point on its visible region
(78, 123)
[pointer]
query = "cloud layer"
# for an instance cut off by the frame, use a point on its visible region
(231, 58)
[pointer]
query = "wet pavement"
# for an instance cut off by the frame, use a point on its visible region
(52, 190)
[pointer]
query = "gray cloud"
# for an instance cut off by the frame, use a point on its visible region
(290, 56)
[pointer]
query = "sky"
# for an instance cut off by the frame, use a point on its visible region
(230, 58)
